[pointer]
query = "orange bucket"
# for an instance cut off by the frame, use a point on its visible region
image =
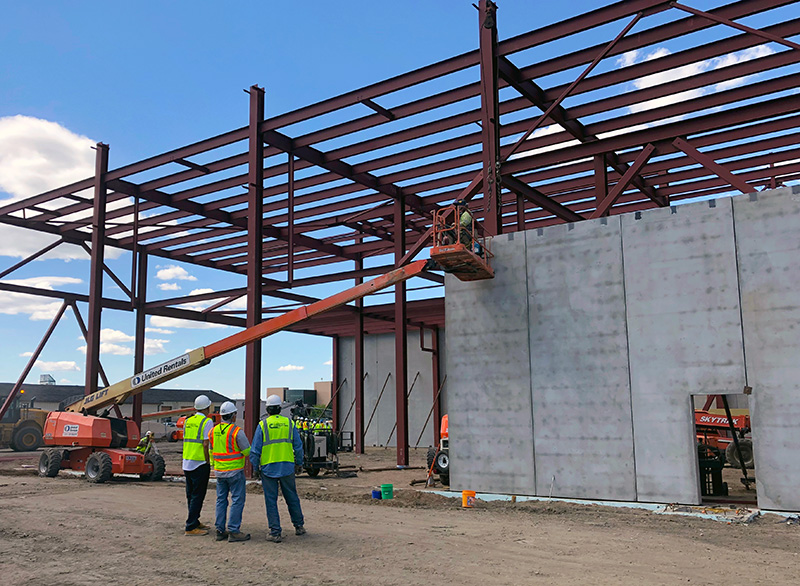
(467, 499)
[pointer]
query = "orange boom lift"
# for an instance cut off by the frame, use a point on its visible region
(84, 438)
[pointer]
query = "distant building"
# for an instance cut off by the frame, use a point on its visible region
(319, 395)
(49, 396)
(46, 379)
(324, 391)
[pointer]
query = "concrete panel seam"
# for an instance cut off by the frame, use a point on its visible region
(628, 350)
(530, 363)
(739, 291)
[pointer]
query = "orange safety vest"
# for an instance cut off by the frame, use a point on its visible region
(225, 453)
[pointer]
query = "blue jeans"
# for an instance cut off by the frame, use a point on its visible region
(236, 486)
(289, 490)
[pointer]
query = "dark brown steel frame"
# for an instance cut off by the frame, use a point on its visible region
(318, 210)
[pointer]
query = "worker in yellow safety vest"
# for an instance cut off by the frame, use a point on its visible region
(196, 467)
(229, 448)
(277, 448)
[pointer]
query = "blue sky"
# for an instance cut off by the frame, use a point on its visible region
(147, 77)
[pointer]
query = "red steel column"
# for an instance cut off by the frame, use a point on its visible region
(255, 238)
(96, 269)
(437, 396)
(140, 335)
(490, 119)
(400, 331)
(358, 369)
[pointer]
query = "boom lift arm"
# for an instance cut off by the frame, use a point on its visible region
(119, 392)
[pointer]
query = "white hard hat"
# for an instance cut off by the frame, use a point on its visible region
(227, 408)
(149, 433)
(202, 402)
(274, 401)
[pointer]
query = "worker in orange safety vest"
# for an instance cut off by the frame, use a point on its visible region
(229, 447)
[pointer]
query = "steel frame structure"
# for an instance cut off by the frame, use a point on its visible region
(286, 200)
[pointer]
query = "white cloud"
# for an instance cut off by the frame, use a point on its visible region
(328, 363)
(686, 71)
(26, 354)
(60, 365)
(158, 331)
(35, 156)
(155, 346)
(110, 343)
(169, 286)
(110, 348)
(290, 368)
(37, 308)
(159, 321)
(109, 335)
(174, 272)
(65, 381)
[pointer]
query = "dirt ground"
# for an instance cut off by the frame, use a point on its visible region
(65, 531)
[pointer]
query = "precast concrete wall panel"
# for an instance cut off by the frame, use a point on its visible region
(347, 377)
(582, 426)
(768, 240)
(488, 376)
(684, 332)
(378, 365)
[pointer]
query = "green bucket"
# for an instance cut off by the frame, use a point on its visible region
(387, 491)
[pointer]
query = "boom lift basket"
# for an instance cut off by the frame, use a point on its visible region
(458, 249)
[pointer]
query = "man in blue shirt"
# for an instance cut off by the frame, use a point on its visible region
(276, 449)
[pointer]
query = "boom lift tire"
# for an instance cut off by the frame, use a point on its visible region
(98, 468)
(26, 438)
(443, 466)
(173, 436)
(157, 461)
(50, 463)
(732, 457)
(431, 457)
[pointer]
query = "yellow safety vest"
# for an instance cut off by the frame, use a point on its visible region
(277, 432)
(225, 453)
(193, 437)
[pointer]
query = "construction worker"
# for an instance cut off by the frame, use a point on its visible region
(145, 442)
(229, 447)
(462, 225)
(196, 467)
(277, 447)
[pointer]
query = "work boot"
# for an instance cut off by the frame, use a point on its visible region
(222, 535)
(274, 538)
(196, 531)
(201, 525)
(299, 530)
(235, 536)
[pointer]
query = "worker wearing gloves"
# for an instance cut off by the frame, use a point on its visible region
(196, 467)
(276, 449)
(229, 448)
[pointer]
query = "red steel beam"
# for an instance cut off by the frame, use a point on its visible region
(276, 324)
(490, 119)
(32, 360)
(712, 165)
(603, 206)
(255, 241)
(96, 268)
(400, 337)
